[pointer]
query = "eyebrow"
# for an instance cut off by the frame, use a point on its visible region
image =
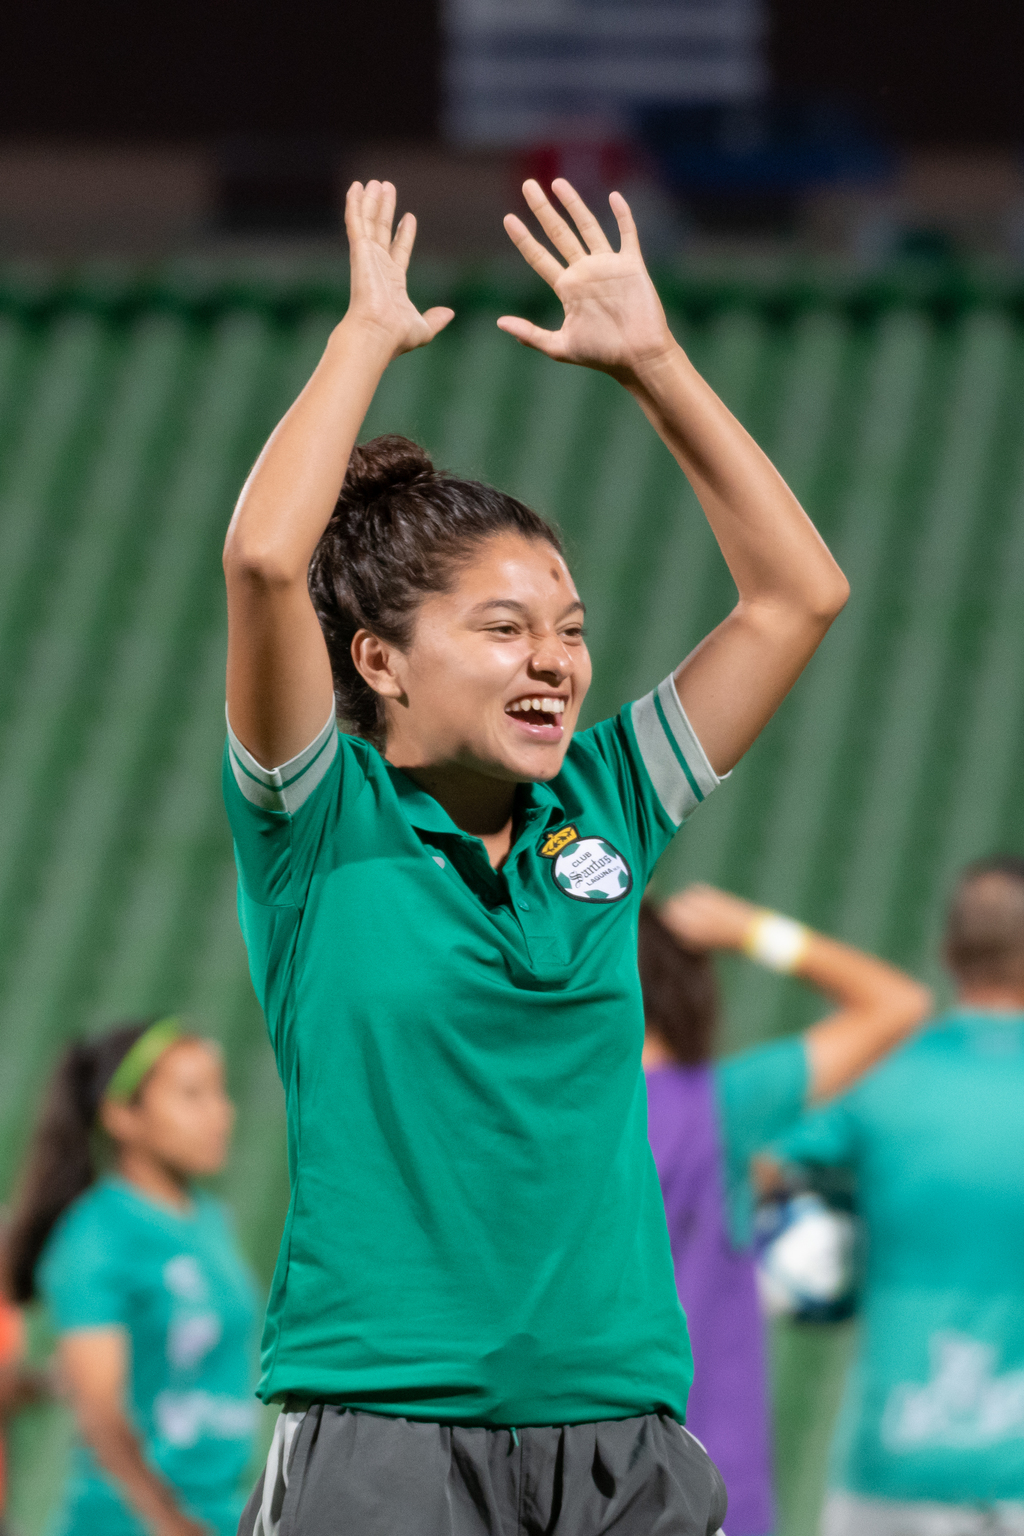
(521, 608)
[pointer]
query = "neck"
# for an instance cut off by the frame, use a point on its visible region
(992, 999)
(477, 804)
(153, 1177)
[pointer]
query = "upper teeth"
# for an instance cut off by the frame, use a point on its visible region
(547, 705)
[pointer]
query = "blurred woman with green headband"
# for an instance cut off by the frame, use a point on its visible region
(154, 1307)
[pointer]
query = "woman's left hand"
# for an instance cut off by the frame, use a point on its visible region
(614, 320)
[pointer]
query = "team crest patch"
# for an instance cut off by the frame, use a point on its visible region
(591, 869)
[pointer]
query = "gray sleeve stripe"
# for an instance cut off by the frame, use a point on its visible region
(674, 758)
(286, 788)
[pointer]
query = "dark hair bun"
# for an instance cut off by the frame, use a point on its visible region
(383, 465)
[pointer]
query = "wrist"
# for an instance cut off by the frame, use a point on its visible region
(170, 1521)
(367, 340)
(157, 1504)
(650, 373)
(778, 942)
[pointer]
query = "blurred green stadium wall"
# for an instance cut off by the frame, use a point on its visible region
(131, 406)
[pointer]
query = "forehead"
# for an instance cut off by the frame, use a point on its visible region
(187, 1057)
(994, 887)
(511, 566)
(993, 891)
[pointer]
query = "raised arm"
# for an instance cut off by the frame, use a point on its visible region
(877, 1006)
(279, 684)
(790, 588)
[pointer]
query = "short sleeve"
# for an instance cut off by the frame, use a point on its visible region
(828, 1136)
(278, 815)
(660, 765)
(760, 1094)
(81, 1276)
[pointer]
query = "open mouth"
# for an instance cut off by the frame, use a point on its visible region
(539, 716)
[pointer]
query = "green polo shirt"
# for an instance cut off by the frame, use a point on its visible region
(476, 1232)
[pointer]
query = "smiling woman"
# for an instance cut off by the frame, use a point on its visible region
(408, 548)
(440, 907)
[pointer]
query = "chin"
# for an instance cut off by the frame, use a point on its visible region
(544, 772)
(517, 762)
(538, 766)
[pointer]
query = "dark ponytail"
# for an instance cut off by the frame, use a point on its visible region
(60, 1162)
(399, 532)
(679, 988)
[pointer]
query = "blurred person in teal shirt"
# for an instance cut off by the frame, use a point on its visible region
(930, 1440)
(154, 1307)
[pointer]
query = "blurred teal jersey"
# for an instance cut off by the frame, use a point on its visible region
(178, 1287)
(934, 1406)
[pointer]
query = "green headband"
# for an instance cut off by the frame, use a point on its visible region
(141, 1058)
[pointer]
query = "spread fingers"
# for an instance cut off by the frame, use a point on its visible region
(564, 239)
(386, 213)
(401, 245)
(581, 215)
(624, 219)
(354, 212)
(540, 259)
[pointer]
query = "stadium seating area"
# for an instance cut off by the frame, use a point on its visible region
(131, 406)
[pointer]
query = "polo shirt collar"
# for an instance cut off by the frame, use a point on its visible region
(537, 804)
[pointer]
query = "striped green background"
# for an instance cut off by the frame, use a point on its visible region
(131, 406)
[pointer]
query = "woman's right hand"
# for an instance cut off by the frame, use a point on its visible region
(379, 302)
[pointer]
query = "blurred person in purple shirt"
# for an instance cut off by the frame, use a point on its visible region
(708, 1118)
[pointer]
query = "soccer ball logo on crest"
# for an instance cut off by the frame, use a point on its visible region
(591, 869)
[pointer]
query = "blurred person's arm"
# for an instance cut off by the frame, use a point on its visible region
(877, 1006)
(20, 1383)
(769, 1176)
(94, 1368)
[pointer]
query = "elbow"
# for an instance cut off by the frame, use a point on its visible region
(828, 599)
(906, 1008)
(259, 565)
(800, 617)
(918, 1004)
(839, 595)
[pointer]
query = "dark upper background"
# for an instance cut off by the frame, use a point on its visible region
(193, 69)
(945, 73)
(145, 129)
(933, 74)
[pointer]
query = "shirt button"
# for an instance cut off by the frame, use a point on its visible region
(524, 906)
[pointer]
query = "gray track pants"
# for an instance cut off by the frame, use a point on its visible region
(334, 1472)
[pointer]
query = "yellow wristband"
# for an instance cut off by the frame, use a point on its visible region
(776, 941)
